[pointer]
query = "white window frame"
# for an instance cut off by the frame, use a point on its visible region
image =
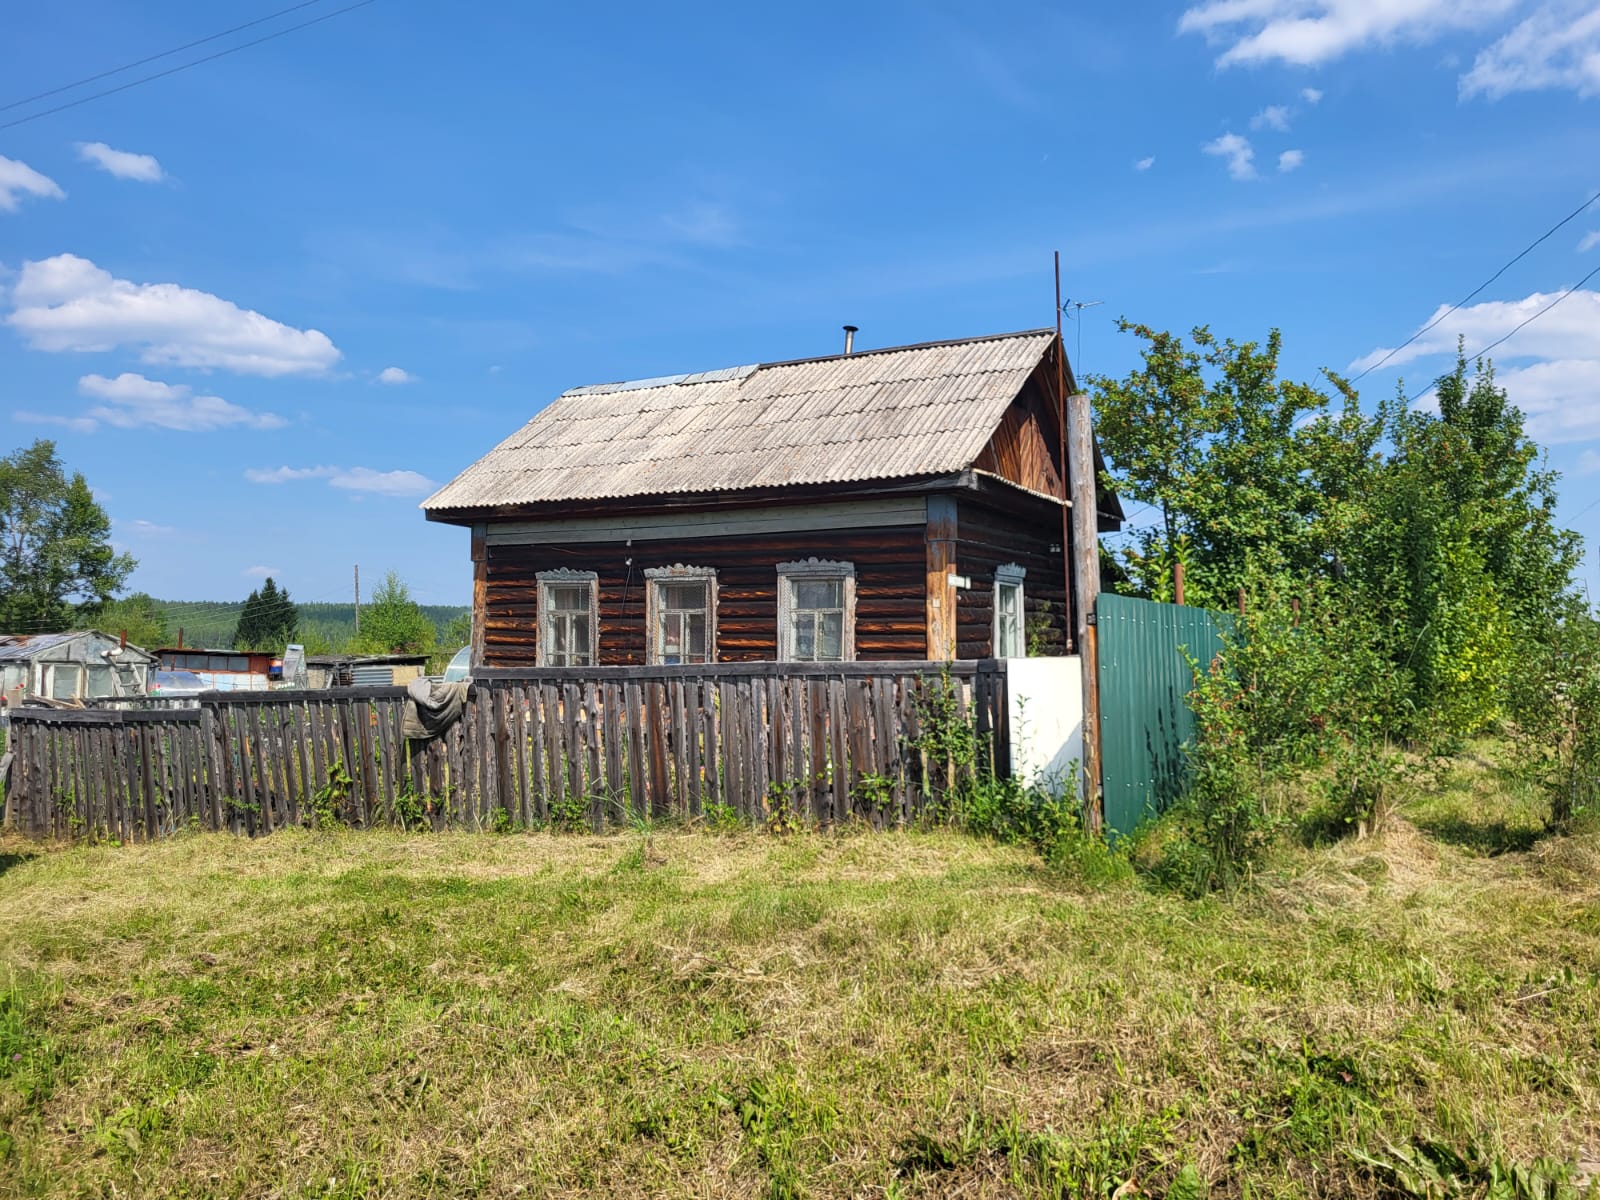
(48, 680)
(825, 570)
(1006, 576)
(654, 577)
(563, 577)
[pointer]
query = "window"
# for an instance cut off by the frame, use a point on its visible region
(816, 611)
(567, 618)
(64, 681)
(237, 662)
(682, 614)
(1008, 612)
(102, 683)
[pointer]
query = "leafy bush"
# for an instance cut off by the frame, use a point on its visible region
(1555, 699)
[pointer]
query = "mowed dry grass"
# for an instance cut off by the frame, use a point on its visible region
(918, 1014)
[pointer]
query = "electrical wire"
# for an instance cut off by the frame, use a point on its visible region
(1506, 337)
(185, 66)
(67, 87)
(1525, 252)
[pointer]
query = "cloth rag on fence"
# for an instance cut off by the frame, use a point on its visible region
(431, 708)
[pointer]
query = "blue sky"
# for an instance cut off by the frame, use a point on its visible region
(264, 304)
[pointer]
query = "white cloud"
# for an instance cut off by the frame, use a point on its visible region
(1589, 242)
(286, 474)
(18, 179)
(146, 528)
(1144, 164)
(396, 375)
(1557, 46)
(1311, 95)
(1238, 151)
(352, 479)
(387, 483)
(77, 424)
(1289, 160)
(1273, 116)
(1553, 374)
(66, 303)
(124, 165)
(261, 572)
(1308, 32)
(1589, 462)
(134, 402)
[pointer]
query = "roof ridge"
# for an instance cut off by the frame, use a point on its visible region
(744, 371)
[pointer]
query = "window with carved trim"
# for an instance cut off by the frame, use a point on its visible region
(568, 618)
(682, 614)
(1009, 616)
(816, 611)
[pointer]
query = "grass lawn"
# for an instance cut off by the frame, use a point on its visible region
(919, 1014)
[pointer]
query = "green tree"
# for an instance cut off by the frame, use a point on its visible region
(1250, 475)
(268, 620)
(140, 617)
(394, 623)
(55, 543)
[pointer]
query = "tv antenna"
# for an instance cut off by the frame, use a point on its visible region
(1074, 309)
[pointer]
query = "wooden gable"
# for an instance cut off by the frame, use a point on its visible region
(1026, 446)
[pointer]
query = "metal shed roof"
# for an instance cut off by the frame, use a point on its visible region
(22, 647)
(877, 414)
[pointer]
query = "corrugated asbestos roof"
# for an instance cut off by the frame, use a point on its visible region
(879, 414)
(15, 646)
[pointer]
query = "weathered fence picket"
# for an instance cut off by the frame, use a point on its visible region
(594, 746)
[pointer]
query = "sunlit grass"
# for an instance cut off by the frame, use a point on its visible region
(921, 1014)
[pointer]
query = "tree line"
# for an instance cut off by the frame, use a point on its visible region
(59, 571)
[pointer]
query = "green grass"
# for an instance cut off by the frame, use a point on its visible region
(920, 1014)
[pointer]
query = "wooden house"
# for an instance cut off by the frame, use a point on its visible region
(905, 503)
(71, 667)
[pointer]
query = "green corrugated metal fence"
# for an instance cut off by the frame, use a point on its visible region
(1144, 721)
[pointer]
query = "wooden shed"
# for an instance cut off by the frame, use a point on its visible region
(905, 503)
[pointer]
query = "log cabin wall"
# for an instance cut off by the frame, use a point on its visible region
(890, 565)
(1028, 534)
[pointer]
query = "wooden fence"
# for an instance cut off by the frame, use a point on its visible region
(874, 741)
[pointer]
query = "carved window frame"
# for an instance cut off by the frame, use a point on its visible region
(654, 577)
(563, 577)
(1006, 576)
(827, 570)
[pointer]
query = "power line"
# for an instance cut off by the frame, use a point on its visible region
(185, 66)
(67, 87)
(1506, 337)
(1526, 251)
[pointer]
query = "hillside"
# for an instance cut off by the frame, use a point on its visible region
(211, 623)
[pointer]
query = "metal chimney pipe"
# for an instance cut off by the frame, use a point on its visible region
(850, 332)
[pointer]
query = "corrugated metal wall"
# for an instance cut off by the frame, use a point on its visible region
(1144, 721)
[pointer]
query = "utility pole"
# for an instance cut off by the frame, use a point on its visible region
(1083, 570)
(358, 599)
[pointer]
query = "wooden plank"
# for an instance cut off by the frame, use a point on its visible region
(656, 722)
(693, 751)
(534, 737)
(633, 718)
(571, 746)
(836, 750)
(817, 735)
(710, 732)
(555, 766)
(517, 704)
(612, 727)
(678, 751)
(599, 796)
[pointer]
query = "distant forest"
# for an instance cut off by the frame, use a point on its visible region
(211, 623)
